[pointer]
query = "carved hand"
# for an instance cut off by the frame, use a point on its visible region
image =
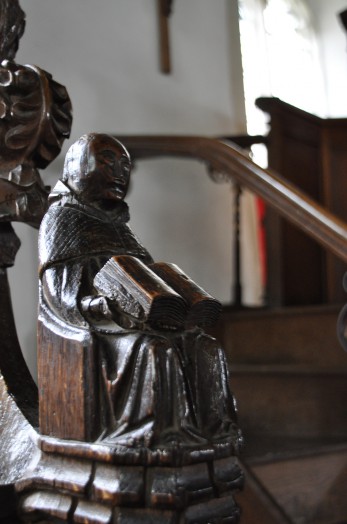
(95, 307)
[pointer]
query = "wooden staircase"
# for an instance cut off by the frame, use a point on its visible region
(289, 376)
(288, 372)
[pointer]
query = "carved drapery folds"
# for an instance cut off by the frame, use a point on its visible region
(136, 416)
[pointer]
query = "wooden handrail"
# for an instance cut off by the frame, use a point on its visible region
(285, 198)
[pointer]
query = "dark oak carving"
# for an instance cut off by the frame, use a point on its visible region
(35, 118)
(234, 165)
(137, 420)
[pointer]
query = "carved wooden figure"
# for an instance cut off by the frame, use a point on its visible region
(35, 118)
(137, 421)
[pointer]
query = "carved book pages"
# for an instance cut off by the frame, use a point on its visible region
(204, 309)
(137, 291)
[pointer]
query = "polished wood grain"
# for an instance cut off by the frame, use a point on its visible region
(134, 399)
(279, 194)
(137, 421)
(35, 119)
(309, 152)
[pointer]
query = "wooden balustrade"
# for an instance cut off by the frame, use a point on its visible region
(285, 198)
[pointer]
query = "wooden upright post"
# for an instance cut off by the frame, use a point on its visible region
(164, 11)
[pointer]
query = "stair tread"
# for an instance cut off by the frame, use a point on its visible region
(305, 335)
(288, 373)
(287, 311)
(260, 449)
(286, 369)
(309, 487)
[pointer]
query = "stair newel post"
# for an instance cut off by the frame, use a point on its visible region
(237, 286)
(221, 177)
(342, 320)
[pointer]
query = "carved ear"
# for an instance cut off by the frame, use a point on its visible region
(75, 164)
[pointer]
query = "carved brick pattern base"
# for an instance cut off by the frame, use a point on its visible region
(81, 491)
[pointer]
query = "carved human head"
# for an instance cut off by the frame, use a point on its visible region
(97, 167)
(12, 25)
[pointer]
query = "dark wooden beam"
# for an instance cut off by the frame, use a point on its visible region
(164, 12)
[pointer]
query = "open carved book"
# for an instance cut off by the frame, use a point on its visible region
(159, 294)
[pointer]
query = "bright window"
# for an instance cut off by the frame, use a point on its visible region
(280, 57)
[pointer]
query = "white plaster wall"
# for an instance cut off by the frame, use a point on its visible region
(106, 53)
(333, 48)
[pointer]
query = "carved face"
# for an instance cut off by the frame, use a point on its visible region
(108, 171)
(97, 167)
